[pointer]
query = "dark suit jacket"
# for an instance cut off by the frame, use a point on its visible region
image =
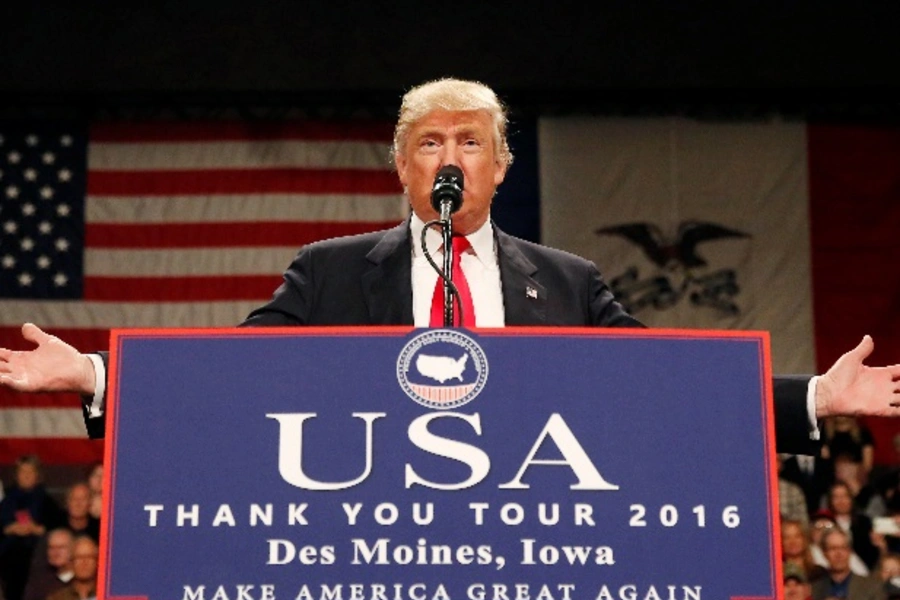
(815, 484)
(861, 588)
(366, 280)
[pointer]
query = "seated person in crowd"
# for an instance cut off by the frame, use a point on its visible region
(841, 582)
(796, 551)
(856, 525)
(84, 572)
(53, 568)
(823, 522)
(26, 513)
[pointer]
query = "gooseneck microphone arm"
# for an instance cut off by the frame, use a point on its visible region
(446, 199)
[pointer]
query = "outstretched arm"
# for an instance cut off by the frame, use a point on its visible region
(851, 388)
(53, 366)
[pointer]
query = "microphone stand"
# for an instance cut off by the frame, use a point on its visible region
(447, 234)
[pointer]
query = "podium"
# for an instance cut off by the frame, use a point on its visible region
(398, 463)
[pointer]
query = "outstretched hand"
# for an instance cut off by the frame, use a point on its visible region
(851, 388)
(53, 366)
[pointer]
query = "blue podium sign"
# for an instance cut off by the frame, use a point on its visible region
(422, 464)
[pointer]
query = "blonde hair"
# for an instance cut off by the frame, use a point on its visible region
(454, 95)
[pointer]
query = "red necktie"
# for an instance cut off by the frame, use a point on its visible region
(460, 245)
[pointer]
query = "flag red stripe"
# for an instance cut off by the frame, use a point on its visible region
(57, 451)
(221, 235)
(180, 289)
(361, 131)
(854, 189)
(84, 339)
(242, 181)
(10, 399)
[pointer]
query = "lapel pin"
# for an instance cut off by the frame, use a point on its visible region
(530, 292)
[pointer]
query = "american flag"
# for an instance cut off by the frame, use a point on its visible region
(164, 225)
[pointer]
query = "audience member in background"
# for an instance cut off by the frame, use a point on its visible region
(886, 479)
(796, 585)
(846, 436)
(814, 475)
(84, 572)
(823, 522)
(791, 499)
(796, 552)
(866, 498)
(889, 573)
(855, 524)
(26, 513)
(54, 569)
(841, 582)
(95, 482)
(78, 517)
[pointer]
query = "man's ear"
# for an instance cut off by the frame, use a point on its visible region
(499, 172)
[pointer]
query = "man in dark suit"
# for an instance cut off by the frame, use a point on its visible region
(382, 278)
(841, 582)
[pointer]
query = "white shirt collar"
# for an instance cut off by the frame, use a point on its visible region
(482, 241)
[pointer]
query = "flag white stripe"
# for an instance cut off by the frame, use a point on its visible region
(184, 156)
(188, 262)
(41, 422)
(101, 315)
(245, 207)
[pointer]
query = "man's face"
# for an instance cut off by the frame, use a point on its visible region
(461, 138)
(841, 501)
(890, 567)
(793, 542)
(59, 550)
(26, 476)
(78, 501)
(837, 552)
(84, 560)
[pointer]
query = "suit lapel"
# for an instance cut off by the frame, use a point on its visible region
(387, 284)
(524, 299)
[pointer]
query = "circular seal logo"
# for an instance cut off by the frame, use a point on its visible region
(442, 369)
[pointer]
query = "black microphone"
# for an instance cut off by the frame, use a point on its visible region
(448, 187)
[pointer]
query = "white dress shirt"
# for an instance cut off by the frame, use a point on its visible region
(479, 263)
